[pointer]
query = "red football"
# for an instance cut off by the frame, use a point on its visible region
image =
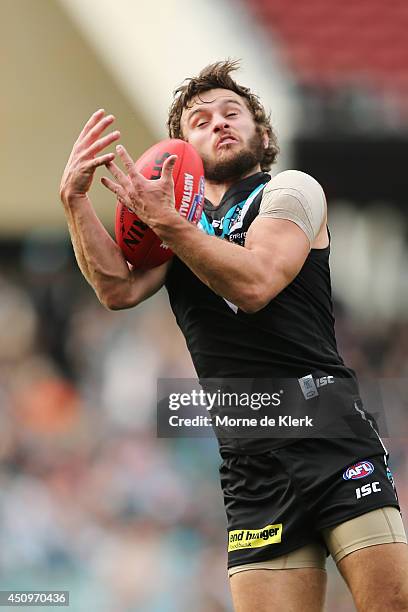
(139, 244)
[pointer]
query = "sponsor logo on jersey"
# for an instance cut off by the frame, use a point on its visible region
(310, 385)
(254, 538)
(362, 469)
(368, 489)
(324, 380)
(237, 237)
(223, 225)
(217, 222)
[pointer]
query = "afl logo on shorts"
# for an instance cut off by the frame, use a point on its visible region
(358, 470)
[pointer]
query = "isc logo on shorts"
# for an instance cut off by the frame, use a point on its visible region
(359, 470)
(367, 489)
(254, 538)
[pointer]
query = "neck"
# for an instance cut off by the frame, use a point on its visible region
(215, 191)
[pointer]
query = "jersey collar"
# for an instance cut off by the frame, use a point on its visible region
(239, 190)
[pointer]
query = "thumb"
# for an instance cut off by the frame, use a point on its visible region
(168, 167)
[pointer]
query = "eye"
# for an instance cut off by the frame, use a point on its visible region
(232, 114)
(202, 123)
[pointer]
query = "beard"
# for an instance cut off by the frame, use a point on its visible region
(235, 165)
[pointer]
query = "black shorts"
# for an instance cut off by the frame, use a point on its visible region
(280, 500)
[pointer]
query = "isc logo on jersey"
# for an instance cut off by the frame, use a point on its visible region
(362, 469)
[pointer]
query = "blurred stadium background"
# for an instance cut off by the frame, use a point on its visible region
(90, 499)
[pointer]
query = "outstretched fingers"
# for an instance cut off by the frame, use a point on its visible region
(92, 121)
(123, 183)
(96, 130)
(117, 173)
(114, 188)
(102, 160)
(127, 162)
(102, 143)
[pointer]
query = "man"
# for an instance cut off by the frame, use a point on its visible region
(255, 304)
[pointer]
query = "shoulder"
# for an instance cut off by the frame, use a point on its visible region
(296, 180)
(298, 197)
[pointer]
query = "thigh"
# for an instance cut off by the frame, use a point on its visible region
(279, 590)
(372, 556)
(380, 526)
(378, 577)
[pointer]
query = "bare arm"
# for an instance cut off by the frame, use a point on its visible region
(249, 277)
(99, 257)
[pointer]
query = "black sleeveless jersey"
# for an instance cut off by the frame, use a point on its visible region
(291, 337)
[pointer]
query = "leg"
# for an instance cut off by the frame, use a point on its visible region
(372, 556)
(377, 577)
(267, 520)
(284, 584)
(279, 590)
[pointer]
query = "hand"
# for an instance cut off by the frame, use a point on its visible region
(152, 200)
(82, 163)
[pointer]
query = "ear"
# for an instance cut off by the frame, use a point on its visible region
(265, 140)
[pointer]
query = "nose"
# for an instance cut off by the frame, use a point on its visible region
(220, 123)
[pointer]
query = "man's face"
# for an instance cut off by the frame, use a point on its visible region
(220, 126)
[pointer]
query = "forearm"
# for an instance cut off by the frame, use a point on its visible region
(228, 269)
(251, 276)
(99, 257)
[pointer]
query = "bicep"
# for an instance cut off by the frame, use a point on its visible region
(280, 248)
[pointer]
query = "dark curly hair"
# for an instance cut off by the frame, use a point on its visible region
(216, 76)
